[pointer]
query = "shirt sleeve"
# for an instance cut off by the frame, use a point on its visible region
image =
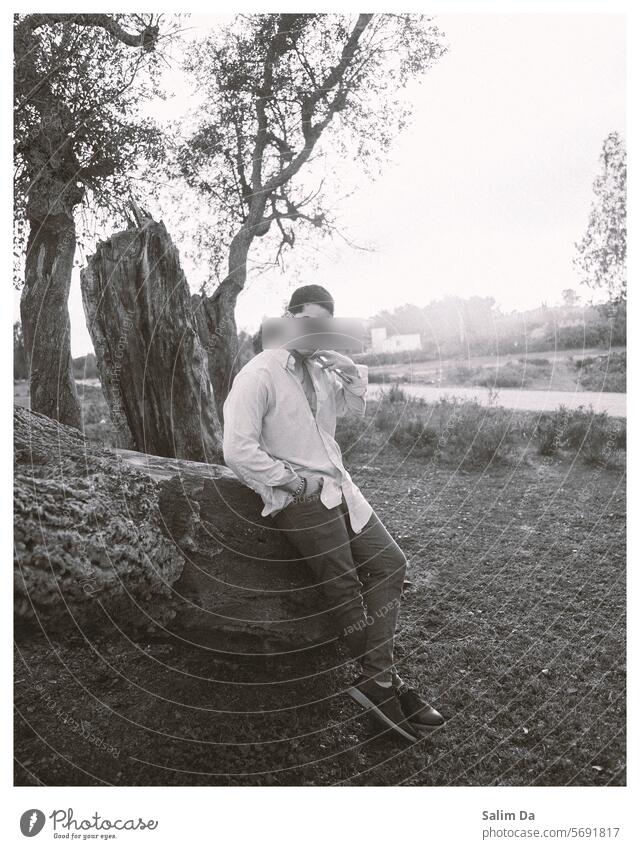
(243, 411)
(351, 397)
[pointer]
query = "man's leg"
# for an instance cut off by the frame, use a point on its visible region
(321, 536)
(382, 565)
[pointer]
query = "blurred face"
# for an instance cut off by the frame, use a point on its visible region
(310, 311)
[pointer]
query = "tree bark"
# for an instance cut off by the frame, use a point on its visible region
(152, 365)
(111, 540)
(215, 319)
(216, 323)
(45, 317)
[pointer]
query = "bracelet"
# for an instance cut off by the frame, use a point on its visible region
(301, 489)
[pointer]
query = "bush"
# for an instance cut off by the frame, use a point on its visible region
(595, 437)
(388, 377)
(607, 373)
(353, 433)
(395, 395)
(461, 374)
(452, 431)
(534, 361)
(549, 431)
(580, 336)
(85, 368)
(506, 376)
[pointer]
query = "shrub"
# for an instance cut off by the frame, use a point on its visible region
(508, 375)
(461, 374)
(395, 395)
(451, 431)
(416, 436)
(607, 373)
(549, 432)
(353, 433)
(388, 377)
(534, 361)
(85, 368)
(595, 437)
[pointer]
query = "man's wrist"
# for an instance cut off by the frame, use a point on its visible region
(294, 485)
(300, 491)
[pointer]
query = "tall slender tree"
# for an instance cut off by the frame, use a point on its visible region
(601, 258)
(78, 80)
(285, 98)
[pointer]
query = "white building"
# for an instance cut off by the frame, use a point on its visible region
(381, 343)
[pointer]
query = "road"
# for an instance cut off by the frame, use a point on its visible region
(614, 403)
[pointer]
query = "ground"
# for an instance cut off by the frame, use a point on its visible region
(513, 627)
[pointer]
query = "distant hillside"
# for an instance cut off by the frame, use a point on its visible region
(453, 327)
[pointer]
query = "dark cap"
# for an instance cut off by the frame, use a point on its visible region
(310, 295)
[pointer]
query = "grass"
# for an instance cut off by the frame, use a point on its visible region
(513, 626)
(466, 434)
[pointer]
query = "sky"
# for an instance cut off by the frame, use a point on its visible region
(489, 187)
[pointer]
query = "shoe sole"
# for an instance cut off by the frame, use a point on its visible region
(359, 696)
(423, 730)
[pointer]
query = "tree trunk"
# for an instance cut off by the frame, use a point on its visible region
(120, 540)
(215, 319)
(152, 364)
(216, 323)
(45, 317)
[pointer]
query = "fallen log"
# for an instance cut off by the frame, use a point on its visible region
(114, 539)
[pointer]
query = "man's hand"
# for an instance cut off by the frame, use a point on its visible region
(314, 484)
(334, 361)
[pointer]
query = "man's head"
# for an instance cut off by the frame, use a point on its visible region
(313, 301)
(310, 302)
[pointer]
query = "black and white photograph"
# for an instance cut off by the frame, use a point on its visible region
(319, 412)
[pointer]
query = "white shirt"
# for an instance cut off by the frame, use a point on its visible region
(271, 434)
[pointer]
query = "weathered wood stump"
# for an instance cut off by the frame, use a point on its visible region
(153, 367)
(117, 539)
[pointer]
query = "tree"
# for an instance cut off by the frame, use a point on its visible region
(77, 136)
(19, 358)
(570, 298)
(285, 98)
(602, 252)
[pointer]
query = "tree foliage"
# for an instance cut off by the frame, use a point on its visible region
(78, 132)
(602, 252)
(285, 100)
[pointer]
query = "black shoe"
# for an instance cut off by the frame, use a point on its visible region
(418, 712)
(384, 706)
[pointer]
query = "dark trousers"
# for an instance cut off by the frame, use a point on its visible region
(361, 576)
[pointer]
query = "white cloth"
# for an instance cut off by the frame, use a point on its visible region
(271, 434)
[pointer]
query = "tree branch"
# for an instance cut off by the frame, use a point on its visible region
(313, 132)
(146, 39)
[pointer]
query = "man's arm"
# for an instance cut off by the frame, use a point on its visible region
(243, 411)
(351, 397)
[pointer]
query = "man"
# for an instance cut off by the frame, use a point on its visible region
(279, 426)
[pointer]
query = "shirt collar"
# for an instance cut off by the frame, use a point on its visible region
(285, 358)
